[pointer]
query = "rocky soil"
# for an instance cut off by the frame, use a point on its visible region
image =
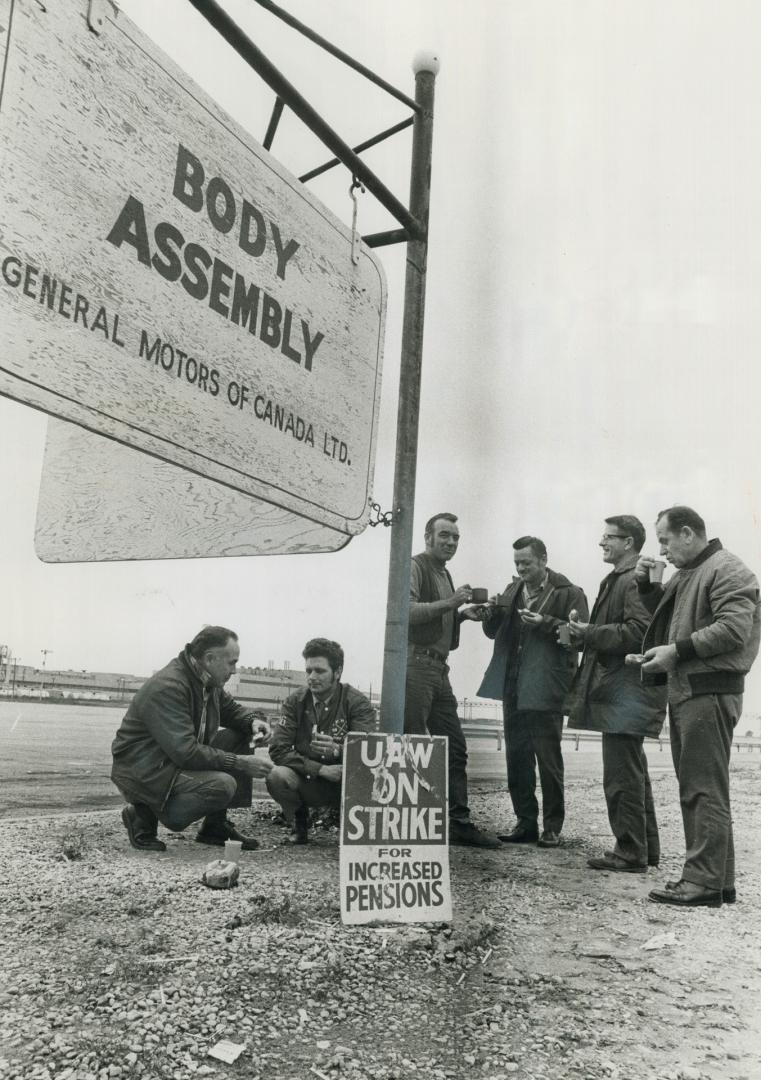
(120, 964)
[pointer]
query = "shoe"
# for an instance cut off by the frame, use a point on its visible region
(548, 839)
(609, 861)
(685, 894)
(653, 861)
(217, 832)
(728, 896)
(140, 833)
(300, 832)
(519, 835)
(465, 832)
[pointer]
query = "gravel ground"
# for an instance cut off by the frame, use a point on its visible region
(120, 964)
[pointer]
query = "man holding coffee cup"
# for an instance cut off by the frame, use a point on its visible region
(607, 695)
(434, 630)
(701, 642)
(530, 672)
(183, 750)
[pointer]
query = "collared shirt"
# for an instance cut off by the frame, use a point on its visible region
(318, 707)
(529, 601)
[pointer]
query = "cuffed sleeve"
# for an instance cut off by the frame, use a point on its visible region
(685, 649)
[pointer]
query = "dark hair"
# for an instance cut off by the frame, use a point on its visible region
(211, 637)
(680, 517)
(432, 521)
(331, 650)
(533, 542)
(629, 525)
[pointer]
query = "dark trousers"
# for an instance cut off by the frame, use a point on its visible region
(701, 744)
(631, 810)
(430, 708)
(295, 792)
(532, 739)
(195, 794)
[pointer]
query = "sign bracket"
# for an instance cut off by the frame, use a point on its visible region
(253, 55)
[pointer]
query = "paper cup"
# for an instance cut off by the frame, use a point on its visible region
(656, 572)
(233, 849)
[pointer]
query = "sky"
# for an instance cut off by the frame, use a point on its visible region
(592, 324)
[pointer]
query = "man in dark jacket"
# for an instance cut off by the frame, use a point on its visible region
(607, 695)
(307, 744)
(530, 672)
(702, 641)
(430, 707)
(183, 750)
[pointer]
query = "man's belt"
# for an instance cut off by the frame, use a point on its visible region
(417, 651)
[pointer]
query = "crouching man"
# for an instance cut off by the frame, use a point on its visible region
(307, 745)
(183, 750)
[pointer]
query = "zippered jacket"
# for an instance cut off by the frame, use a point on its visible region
(711, 611)
(349, 710)
(159, 735)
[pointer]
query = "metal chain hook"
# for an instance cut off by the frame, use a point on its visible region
(355, 237)
(381, 517)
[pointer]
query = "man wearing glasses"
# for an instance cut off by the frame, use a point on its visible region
(608, 696)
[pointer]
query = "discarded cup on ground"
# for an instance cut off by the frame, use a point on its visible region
(564, 634)
(233, 849)
(479, 596)
(656, 571)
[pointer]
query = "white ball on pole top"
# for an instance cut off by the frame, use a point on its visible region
(426, 60)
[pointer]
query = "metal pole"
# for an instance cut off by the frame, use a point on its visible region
(398, 604)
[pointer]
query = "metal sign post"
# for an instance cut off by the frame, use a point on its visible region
(398, 602)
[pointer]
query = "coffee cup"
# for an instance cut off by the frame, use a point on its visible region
(564, 634)
(656, 571)
(479, 596)
(233, 849)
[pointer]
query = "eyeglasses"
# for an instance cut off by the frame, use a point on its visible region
(615, 536)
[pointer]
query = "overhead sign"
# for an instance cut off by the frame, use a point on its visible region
(166, 282)
(102, 501)
(394, 829)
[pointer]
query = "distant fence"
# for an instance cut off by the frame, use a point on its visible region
(485, 728)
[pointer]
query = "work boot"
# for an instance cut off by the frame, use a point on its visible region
(687, 894)
(728, 896)
(141, 825)
(216, 829)
(521, 834)
(465, 832)
(300, 831)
